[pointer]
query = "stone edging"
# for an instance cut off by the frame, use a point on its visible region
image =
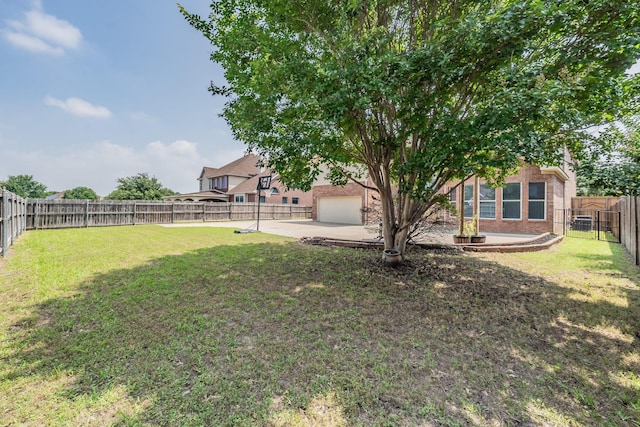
(527, 245)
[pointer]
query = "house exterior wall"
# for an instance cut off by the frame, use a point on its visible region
(234, 181)
(304, 197)
(559, 189)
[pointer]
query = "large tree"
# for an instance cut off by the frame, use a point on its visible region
(613, 167)
(418, 92)
(25, 186)
(139, 187)
(81, 193)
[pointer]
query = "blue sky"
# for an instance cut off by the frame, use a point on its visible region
(91, 91)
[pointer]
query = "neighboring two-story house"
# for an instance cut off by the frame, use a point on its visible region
(237, 182)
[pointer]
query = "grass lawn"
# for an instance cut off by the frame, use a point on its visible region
(148, 325)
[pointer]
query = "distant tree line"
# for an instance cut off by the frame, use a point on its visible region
(137, 187)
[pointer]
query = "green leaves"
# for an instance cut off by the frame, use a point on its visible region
(25, 186)
(81, 193)
(420, 92)
(611, 166)
(139, 187)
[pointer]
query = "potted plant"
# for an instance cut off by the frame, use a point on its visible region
(475, 237)
(464, 234)
(478, 238)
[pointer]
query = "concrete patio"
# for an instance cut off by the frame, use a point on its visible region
(309, 228)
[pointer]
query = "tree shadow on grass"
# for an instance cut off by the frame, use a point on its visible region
(267, 334)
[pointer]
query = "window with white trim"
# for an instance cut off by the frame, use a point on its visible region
(487, 201)
(537, 196)
(511, 201)
(239, 198)
(468, 201)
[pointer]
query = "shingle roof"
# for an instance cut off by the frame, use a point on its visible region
(207, 171)
(245, 167)
(250, 185)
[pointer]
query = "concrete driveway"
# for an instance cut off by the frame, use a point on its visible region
(309, 228)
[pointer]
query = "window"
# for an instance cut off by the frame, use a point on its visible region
(487, 201)
(274, 191)
(239, 198)
(210, 183)
(452, 195)
(537, 193)
(468, 201)
(263, 199)
(284, 200)
(223, 183)
(294, 200)
(511, 201)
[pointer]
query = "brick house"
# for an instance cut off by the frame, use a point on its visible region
(237, 182)
(527, 203)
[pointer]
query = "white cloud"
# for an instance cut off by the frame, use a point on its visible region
(31, 43)
(79, 107)
(42, 33)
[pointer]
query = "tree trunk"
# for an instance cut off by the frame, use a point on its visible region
(396, 225)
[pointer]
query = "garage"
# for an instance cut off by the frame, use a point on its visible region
(341, 210)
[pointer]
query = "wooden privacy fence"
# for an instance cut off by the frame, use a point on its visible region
(630, 226)
(13, 222)
(47, 214)
(595, 203)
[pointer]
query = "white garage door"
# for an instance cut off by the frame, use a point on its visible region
(341, 210)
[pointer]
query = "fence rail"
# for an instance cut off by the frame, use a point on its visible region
(47, 214)
(13, 222)
(630, 226)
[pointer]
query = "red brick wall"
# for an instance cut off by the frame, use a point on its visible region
(557, 194)
(304, 197)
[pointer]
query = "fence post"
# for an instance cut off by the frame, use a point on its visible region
(36, 217)
(619, 226)
(86, 213)
(173, 215)
(598, 222)
(135, 214)
(4, 240)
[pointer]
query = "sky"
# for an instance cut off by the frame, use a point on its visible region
(93, 91)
